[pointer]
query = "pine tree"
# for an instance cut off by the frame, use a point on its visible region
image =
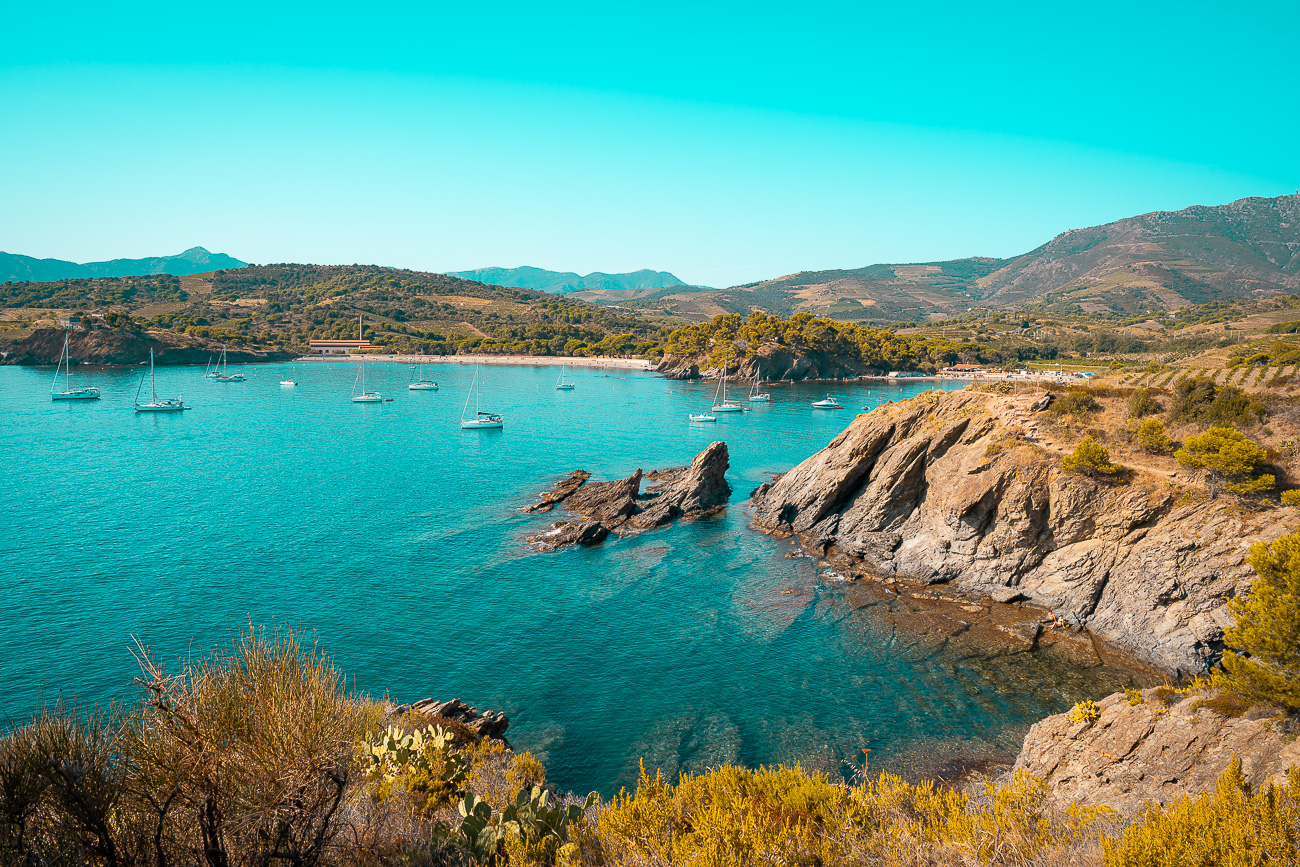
(1231, 458)
(1263, 659)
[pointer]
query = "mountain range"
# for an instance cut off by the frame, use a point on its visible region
(567, 281)
(195, 260)
(1158, 261)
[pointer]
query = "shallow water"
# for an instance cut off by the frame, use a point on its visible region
(396, 538)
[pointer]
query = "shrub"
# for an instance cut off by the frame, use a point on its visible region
(1198, 400)
(1230, 457)
(1090, 458)
(1084, 711)
(1291, 498)
(1134, 696)
(1232, 826)
(1263, 656)
(1141, 404)
(1077, 403)
(1152, 437)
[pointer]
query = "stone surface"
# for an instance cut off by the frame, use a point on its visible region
(953, 489)
(488, 724)
(105, 346)
(1153, 751)
(622, 508)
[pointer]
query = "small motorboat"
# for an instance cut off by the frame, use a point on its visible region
(704, 416)
(828, 403)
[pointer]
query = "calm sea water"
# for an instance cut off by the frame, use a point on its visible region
(395, 538)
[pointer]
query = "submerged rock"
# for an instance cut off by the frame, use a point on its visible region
(1163, 747)
(954, 489)
(620, 506)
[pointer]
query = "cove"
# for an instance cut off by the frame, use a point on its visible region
(395, 538)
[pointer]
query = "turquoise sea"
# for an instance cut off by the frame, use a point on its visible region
(396, 539)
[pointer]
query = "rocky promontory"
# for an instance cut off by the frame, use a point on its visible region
(1155, 747)
(110, 346)
(958, 489)
(622, 508)
(771, 363)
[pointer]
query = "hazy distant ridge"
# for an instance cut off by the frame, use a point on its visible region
(567, 281)
(195, 260)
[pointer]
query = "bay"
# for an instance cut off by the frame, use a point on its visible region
(395, 539)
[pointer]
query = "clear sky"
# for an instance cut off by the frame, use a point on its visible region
(722, 143)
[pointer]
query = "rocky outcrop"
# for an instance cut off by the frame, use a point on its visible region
(1158, 749)
(622, 508)
(485, 724)
(105, 346)
(954, 489)
(772, 362)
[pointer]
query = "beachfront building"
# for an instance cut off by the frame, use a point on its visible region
(338, 347)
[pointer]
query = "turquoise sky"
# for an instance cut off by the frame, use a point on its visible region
(722, 143)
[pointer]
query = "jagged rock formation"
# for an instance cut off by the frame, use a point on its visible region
(620, 507)
(103, 346)
(953, 489)
(1167, 746)
(487, 724)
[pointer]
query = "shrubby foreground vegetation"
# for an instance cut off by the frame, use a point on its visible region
(258, 755)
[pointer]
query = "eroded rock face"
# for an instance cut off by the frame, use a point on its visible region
(620, 507)
(954, 489)
(1152, 751)
(45, 346)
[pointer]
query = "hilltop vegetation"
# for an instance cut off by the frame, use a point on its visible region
(1141, 266)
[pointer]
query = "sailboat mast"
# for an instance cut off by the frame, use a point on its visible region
(153, 385)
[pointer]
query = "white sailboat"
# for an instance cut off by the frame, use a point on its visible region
(481, 420)
(720, 399)
(562, 385)
(156, 405)
(757, 396)
(422, 384)
(360, 395)
(70, 393)
(221, 374)
(828, 403)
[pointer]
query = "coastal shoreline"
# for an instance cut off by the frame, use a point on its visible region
(513, 360)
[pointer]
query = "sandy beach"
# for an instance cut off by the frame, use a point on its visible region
(517, 360)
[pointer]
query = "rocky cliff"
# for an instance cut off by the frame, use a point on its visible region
(104, 346)
(956, 489)
(1155, 748)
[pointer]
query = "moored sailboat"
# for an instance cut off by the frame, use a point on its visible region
(70, 393)
(482, 420)
(168, 404)
(361, 395)
(561, 385)
(757, 396)
(721, 404)
(420, 383)
(221, 373)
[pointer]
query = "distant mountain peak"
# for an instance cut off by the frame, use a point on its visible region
(195, 260)
(529, 277)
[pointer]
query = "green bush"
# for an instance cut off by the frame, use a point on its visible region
(1152, 437)
(1142, 404)
(1090, 458)
(1230, 457)
(1076, 403)
(1263, 656)
(1198, 400)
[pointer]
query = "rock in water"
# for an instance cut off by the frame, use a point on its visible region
(956, 489)
(1163, 747)
(487, 724)
(620, 507)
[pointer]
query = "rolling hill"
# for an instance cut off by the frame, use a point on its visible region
(1155, 262)
(195, 260)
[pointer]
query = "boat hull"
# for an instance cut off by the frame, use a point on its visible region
(368, 398)
(80, 394)
(473, 424)
(702, 418)
(422, 386)
(564, 388)
(728, 407)
(159, 407)
(761, 398)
